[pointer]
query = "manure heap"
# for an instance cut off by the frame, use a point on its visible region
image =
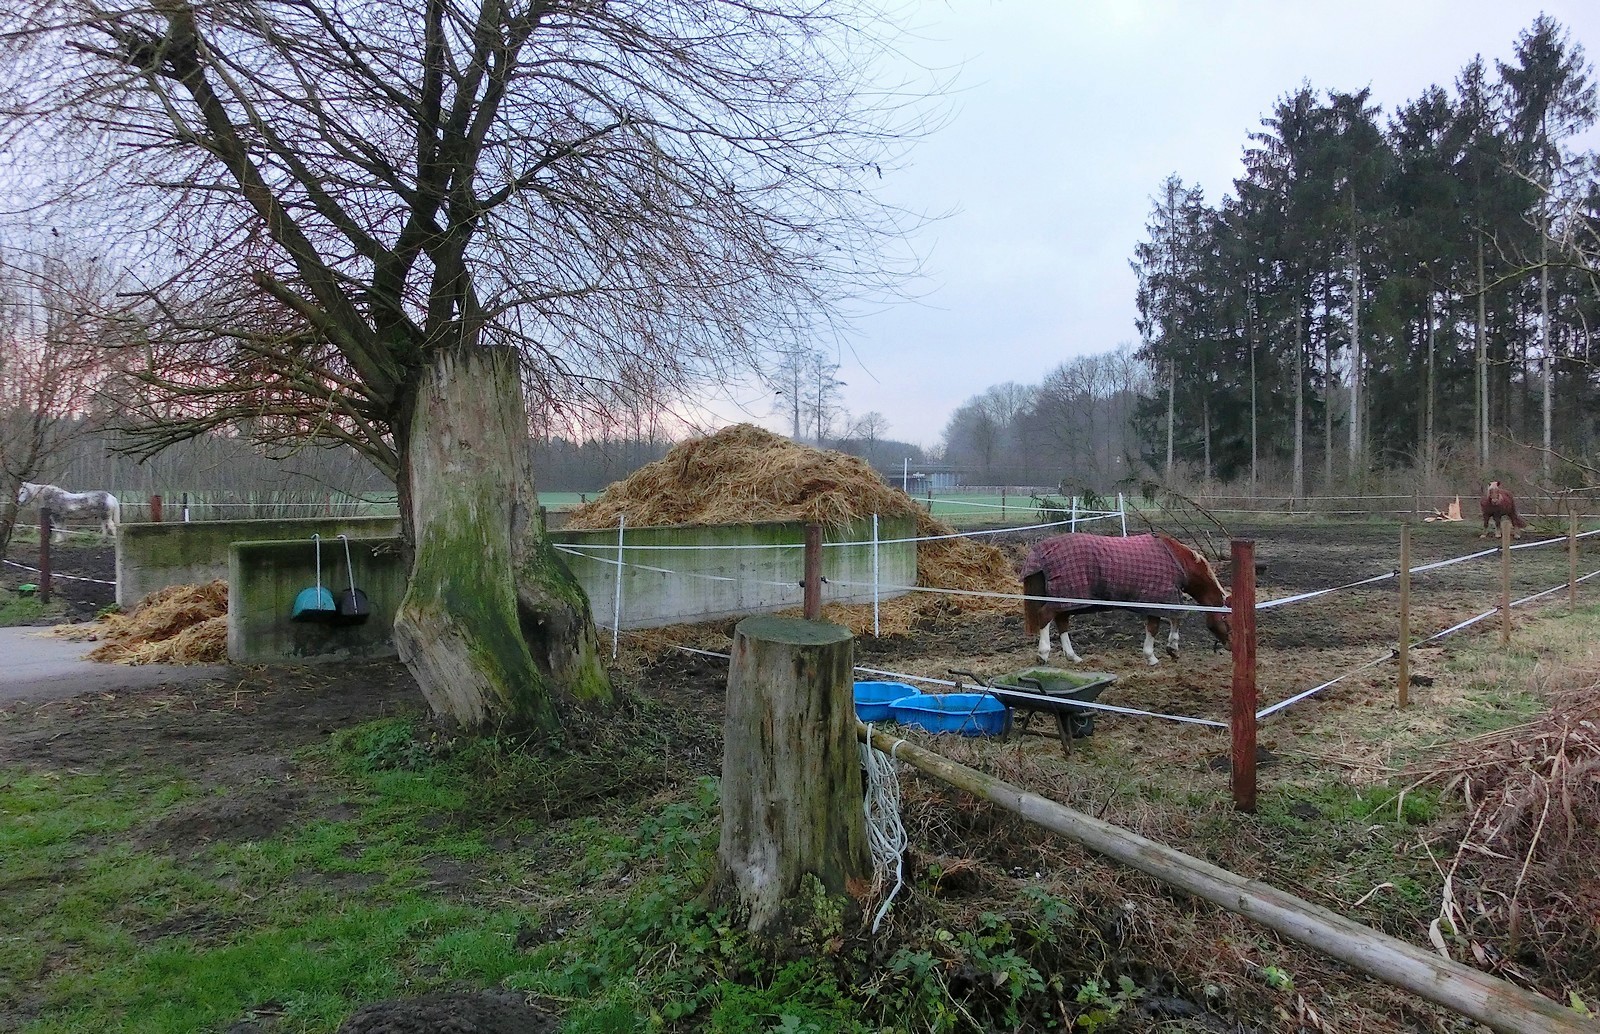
(181, 624)
(744, 474)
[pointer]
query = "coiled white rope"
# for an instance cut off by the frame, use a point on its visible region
(886, 834)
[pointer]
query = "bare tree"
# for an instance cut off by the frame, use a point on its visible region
(51, 371)
(870, 428)
(381, 224)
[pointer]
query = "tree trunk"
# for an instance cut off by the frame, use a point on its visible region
(1254, 409)
(1544, 340)
(493, 625)
(1483, 367)
(793, 856)
(1427, 430)
(1172, 396)
(1355, 444)
(1327, 398)
(1299, 489)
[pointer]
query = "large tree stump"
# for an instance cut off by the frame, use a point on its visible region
(794, 856)
(493, 626)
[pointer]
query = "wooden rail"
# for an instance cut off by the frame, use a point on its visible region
(1497, 1004)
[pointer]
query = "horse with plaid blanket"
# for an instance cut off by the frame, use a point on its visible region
(1081, 573)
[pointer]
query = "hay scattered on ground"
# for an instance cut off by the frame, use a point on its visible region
(744, 473)
(1525, 875)
(181, 624)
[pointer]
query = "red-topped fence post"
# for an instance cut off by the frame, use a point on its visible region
(1243, 639)
(813, 572)
(45, 521)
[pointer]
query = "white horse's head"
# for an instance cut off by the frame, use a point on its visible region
(27, 492)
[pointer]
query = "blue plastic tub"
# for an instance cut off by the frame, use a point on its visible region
(873, 699)
(970, 714)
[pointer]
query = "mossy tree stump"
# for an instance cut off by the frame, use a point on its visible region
(793, 856)
(493, 626)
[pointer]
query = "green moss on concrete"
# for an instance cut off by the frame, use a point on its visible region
(174, 544)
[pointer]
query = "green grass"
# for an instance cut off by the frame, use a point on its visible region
(565, 500)
(421, 863)
(19, 609)
(420, 880)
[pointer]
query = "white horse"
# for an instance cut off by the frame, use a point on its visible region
(100, 506)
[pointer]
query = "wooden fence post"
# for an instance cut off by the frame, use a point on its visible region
(155, 509)
(791, 778)
(1243, 641)
(1505, 583)
(1405, 614)
(45, 517)
(813, 572)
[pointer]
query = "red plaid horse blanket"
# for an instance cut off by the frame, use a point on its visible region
(1138, 568)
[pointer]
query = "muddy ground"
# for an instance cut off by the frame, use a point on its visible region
(84, 572)
(241, 733)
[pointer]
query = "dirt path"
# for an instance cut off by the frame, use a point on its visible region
(41, 667)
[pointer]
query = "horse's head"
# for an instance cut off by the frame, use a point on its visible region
(1216, 596)
(26, 492)
(1221, 630)
(1201, 582)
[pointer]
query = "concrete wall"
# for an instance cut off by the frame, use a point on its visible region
(154, 556)
(265, 577)
(715, 573)
(699, 579)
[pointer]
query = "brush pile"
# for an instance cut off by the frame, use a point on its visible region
(744, 474)
(181, 624)
(1525, 879)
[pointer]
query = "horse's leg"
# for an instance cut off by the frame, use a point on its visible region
(1044, 641)
(1150, 626)
(1066, 641)
(1172, 633)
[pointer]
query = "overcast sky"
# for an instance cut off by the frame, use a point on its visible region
(1067, 117)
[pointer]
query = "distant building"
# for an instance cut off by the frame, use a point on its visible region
(922, 478)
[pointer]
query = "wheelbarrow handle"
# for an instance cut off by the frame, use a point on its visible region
(972, 676)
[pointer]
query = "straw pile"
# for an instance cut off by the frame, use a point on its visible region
(743, 474)
(181, 624)
(1526, 875)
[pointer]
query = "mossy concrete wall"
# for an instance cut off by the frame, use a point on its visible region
(153, 556)
(265, 577)
(699, 573)
(671, 575)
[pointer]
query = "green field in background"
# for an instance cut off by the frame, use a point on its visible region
(564, 500)
(986, 509)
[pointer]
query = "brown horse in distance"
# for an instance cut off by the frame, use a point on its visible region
(1499, 504)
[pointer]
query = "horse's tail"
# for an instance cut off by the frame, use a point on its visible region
(113, 513)
(1033, 616)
